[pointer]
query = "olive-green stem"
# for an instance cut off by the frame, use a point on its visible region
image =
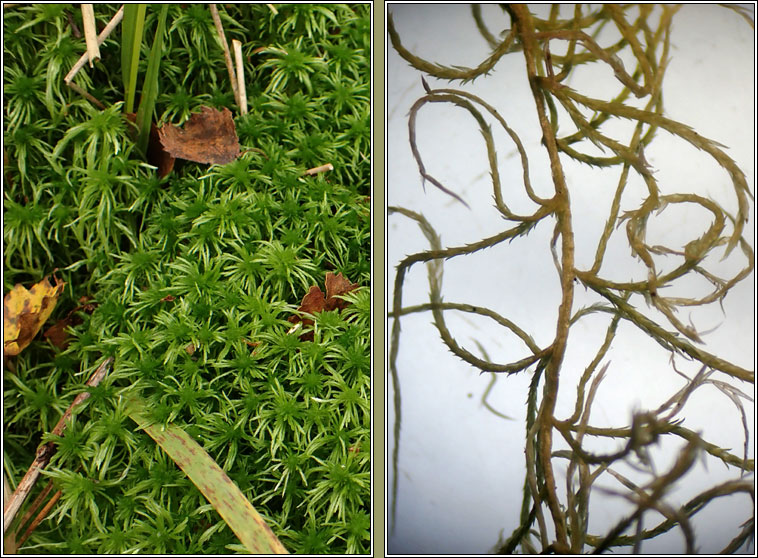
(526, 33)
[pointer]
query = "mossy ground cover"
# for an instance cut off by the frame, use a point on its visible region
(192, 278)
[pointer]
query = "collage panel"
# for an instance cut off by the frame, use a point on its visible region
(187, 278)
(570, 286)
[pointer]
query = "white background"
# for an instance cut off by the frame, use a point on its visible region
(462, 467)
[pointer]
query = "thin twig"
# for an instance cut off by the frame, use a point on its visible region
(46, 451)
(91, 98)
(90, 34)
(316, 170)
(35, 505)
(227, 56)
(40, 517)
(237, 46)
(107, 30)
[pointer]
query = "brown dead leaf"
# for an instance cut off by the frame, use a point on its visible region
(156, 155)
(25, 311)
(315, 301)
(208, 137)
(337, 285)
(57, 334)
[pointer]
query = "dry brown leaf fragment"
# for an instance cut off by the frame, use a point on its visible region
(156, 155)
(57, 334)
(208, 137)
(337, 285)
(25, 312)
(315, 300)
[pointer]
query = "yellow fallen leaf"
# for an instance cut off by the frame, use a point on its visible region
(25, 311)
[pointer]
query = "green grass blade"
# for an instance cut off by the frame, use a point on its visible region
(150, 86)
(132, 32)
(212, 481)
